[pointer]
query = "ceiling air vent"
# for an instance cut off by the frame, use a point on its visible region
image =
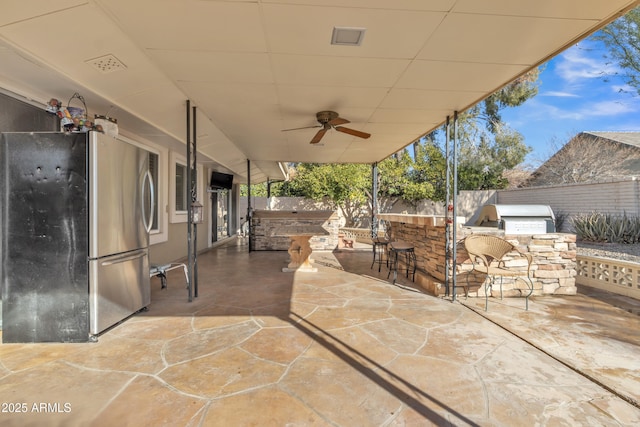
(347, 36)
(106, 64)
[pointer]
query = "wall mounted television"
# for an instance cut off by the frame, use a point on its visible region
(221, 180)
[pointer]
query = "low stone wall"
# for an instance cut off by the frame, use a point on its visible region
(554, 257)
(265, 222)
(362, 235)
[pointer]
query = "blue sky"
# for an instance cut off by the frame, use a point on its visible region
(579, 90)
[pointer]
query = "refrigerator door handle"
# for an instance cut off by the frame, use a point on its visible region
(125, 258)
(148, 222)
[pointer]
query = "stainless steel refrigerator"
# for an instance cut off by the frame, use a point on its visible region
(76, 213)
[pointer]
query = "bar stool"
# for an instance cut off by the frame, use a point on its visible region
(381, 246)
(397, 248)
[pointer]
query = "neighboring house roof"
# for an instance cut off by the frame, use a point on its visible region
(617, 158)
(629, 138)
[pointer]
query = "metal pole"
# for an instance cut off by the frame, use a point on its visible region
(268, 193)
(194, 197)
(447, 227)
(455, 201)
(374, 201)
(188, 177)
(249, 202)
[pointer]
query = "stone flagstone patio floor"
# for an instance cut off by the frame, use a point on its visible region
(340, 347)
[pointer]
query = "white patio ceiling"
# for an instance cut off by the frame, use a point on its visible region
(255, 67)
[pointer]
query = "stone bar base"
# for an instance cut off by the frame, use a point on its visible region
(554, 254)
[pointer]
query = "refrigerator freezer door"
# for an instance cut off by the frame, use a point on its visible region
(44, 273)
(118, 287)
(117, 180)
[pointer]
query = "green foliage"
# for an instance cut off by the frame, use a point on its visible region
(257, 190)
(599, 227)
(622, 39)
(343, 186)
(403, 177)
(512, 95)
(335, 183)
(481, 166)
(486, 152)
(486, 146)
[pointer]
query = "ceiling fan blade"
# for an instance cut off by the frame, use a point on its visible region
(305, 127)
(353, 132)
(338, 121)
(318, 136)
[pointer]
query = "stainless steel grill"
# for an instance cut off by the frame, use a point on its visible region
(516, 219)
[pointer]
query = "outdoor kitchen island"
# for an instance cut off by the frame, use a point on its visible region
(554, 255)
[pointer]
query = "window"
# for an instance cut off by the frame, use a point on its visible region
(181, 187)
(179, 195)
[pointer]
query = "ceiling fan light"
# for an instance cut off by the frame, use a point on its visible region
(347, 36)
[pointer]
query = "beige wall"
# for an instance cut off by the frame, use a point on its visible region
(175, 248)
(616, 197)
(468, 203)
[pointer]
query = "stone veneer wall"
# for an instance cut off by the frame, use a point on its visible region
(554, 256)
(264, 223)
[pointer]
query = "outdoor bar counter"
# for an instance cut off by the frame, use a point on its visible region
(554, 255)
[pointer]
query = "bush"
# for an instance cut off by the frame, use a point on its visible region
(561, 218)
(599, 227)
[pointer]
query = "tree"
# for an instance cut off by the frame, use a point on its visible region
(399, 178)
(517, 176)
(257, 190)
(348, 187)
(343, 186)
(622, 39)
(487, 146)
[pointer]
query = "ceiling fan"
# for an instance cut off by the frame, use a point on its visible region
(328, 120)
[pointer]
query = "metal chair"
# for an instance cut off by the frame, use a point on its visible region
(381, 245)
(397, 248)
(161, 271)
(487, 253)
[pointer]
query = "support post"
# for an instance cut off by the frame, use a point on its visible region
(374, 201)
(447, 242)
(189, 245)
(194, 197)
(249, 203)
(455, 202)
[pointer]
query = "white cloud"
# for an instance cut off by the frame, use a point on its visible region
(559, 94)
(623, 88)
(608, 108)
(579, 63)
(595, 109)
